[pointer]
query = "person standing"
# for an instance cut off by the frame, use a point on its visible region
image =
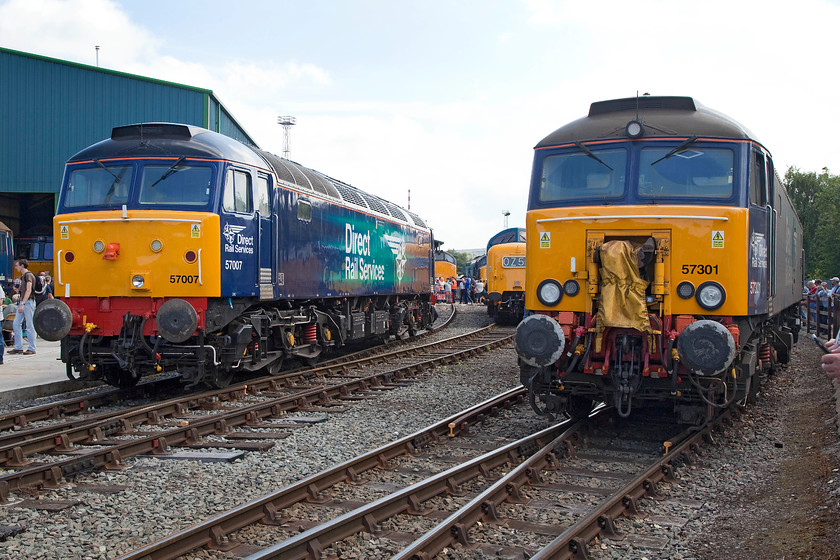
(25, 310)
(48, 289)
(2, 341)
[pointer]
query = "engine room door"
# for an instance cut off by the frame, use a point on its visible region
(266, 237)
(760, 254)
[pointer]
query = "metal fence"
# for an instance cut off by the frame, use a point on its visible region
(820, 315)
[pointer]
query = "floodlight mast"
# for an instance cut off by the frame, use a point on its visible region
(287, 123)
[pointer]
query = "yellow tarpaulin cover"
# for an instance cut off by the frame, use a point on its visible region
(622, 290)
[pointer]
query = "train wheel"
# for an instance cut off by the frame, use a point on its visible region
(119, 377)
(579, 407)
(219, 378)
(275, 367)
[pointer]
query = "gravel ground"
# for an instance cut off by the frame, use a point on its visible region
(767, 489)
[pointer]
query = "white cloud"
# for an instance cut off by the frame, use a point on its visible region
(467, 159)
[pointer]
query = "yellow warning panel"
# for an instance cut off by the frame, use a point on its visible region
(545, 240)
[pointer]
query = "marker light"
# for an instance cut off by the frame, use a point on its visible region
(137, 280)
(98, 246)
(571, 287)
(156, 245)
(685, 290)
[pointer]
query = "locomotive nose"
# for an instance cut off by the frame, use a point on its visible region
(539, 340)
(52, 319)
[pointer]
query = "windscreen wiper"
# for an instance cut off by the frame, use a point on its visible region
(169, 171)
(102, 165)
(588, 152)
(675, 150)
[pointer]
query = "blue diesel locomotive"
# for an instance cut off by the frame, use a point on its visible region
(177, 248)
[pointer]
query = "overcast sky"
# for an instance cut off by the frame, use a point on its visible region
(447, 98)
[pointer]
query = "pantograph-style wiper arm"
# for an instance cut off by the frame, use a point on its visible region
(172, 169)
(675, 150)
(588, 152)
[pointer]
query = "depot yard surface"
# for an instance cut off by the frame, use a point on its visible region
(768, 489)
(28, 377)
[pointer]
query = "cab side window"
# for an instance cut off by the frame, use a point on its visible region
(758, 180)
(238, 195)
(263, 204)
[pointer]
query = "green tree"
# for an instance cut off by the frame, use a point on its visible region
(461, 259)
(816, 198)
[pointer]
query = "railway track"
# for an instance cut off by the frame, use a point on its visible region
(108, 438)
(456, 485)
(168, 384)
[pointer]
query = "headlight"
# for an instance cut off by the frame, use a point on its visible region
(549, 292)
(710, 295)
(137, 281)
(98, 246)
(156, 245)
(634, 129)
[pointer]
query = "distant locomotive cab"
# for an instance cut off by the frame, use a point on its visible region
(177, 248)
(445, 265)
(663, 262)
(506, 276)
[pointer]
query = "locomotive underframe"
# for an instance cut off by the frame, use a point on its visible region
(507, 307)
(628, 375)
(244, 336)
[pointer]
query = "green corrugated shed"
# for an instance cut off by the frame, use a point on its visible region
(50, 109)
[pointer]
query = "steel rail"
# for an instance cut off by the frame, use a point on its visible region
(16, 446)
(20, 418)
(112, 456)
(265, 509)
(308, 545)
(572, 543)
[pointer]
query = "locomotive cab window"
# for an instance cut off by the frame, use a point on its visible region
(178, 184)
(696, 172)
(758, 180)
(98, 186)
(582, 175)
(238, 197)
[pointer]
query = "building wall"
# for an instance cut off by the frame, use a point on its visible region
(50, 109)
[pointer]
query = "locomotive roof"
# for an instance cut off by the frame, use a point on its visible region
(158, 139)
(659, 116)
(510, 235)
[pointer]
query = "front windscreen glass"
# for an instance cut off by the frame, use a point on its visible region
(177, 184)
(98, 186)
(696, 172)
(579, 175)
